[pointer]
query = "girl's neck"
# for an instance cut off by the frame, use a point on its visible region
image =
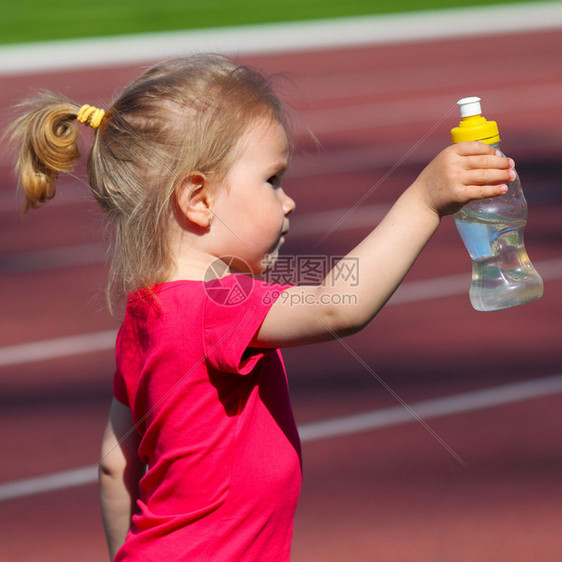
(195, 267)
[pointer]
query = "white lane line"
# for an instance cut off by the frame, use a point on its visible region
(451, 285)
(428, 409)
(320, 163)
(344, 425)
(408, 292)
(381, 114)
(57, 347)
(49, 483)
(280, 37)
(49, 259)
(317, 223)
(77, 255)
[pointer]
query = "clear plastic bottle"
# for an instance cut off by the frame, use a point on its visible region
(492, 230)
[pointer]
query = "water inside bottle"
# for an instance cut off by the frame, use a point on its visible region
(502, 273)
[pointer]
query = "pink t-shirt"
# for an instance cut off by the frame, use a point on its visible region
(218, 433)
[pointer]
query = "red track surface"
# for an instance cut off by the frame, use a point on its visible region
(394, 494)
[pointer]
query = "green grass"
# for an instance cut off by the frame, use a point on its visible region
(37, 20)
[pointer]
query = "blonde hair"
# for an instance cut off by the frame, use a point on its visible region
(180, 116)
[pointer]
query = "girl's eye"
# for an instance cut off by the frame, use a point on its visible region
(275, 181)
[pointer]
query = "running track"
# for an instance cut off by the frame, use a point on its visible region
(470, 469)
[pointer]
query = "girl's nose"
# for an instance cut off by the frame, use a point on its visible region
(288, 204)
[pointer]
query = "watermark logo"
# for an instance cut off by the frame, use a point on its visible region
(313, 270)
(225, 289)
(302, 297)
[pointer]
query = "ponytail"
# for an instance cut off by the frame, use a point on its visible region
(45, 136)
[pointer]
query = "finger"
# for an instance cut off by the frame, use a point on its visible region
(488, 161)
(489, 176)
(469, 148)
(485, 191)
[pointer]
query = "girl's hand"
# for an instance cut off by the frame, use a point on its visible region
(461, 173)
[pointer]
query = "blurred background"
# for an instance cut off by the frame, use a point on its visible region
(31, 20)
(434, 435)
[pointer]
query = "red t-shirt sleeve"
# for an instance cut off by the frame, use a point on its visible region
(235, 308)
(125, 339)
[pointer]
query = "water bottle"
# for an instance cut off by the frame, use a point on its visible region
(492, 229)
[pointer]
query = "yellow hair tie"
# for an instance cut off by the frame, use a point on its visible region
(92, 113)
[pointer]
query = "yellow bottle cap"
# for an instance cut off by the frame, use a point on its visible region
(474, 127)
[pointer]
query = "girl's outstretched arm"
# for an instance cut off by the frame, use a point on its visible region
(120, 471)
(339, 307)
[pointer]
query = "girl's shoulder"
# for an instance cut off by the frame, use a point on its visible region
(147, 295)
(153, 302)
(222, 296)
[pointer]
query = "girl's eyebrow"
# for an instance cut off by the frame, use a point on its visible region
(280, 167)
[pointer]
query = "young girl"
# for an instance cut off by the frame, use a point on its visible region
(201, 458)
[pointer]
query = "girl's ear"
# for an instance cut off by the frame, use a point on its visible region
(193, 201)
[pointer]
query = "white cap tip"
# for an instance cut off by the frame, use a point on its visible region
(469, 106)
